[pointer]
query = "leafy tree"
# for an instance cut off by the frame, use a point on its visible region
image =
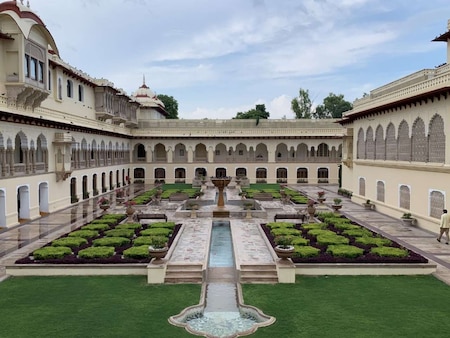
(259, 112)
(171, 105)
(302, 105)
(333, 106)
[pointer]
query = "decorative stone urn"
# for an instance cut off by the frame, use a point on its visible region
(158, 254)
(284, 253)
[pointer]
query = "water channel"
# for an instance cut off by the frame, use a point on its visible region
(221, 315)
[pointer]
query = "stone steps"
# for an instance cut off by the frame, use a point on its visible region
(184, 273)
(258, 274)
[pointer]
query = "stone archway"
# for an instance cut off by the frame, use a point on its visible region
(23, 203)
(43, 199)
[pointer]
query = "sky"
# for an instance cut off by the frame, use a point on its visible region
(218, 58)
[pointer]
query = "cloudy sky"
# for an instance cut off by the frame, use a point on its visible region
(217, 58)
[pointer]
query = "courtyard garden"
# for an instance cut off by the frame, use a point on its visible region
(126, 306)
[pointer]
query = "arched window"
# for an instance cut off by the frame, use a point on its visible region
(69, 88)
(80, 93)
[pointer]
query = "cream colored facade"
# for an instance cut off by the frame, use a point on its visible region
(395, 151)
(66, 136)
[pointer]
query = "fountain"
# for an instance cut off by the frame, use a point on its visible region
(220, 183)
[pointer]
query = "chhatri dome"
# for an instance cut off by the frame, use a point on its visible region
(151, 106)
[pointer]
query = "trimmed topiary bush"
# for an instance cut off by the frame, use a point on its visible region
(348, 251)
(317, 232)
(84, 233)
(331, 239)
(137, 252)
(309, 226)
(71, 242)
(276, 225)
(96, 252)
(285, 232)
(110, 221)
(305, 251)
(156, 232)
(133, 226)
(51, 252)
(167, 225)
(111, 241)
(128, 233)
(385, 251)
(358, 232)
(96, 226)
(297, 240)
(373, 241)
(142, 240)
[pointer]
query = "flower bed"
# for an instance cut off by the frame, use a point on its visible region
(103, 241)
(338, 240)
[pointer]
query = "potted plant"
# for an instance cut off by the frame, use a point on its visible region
(283, 247)
(158, 249)
(104, 203)
(368, 205)
(407, 219)
(337, 204)
(321, 195)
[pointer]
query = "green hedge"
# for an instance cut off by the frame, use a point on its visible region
(168, 225)
(305, 251)
(331, 239)
(96, 226)
(96, 252)
(128, 233)
(358, 232)
(348, 251)
(138, 252)
(84, 233)
(274, 225)
(389, 252)
(373, 241)
(51, 252)
(297, 240)
(143, 240)
(156, 232)
(285, 231)
(319, 231)
(111, 241)
(71, 242)
(118, 217)
(309, 226)
(133, 226)
(110, 221)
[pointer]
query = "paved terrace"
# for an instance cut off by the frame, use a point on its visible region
(17, 242)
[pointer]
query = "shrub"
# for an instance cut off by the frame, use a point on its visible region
(306, 251)
(96, 226)
(137, 252)
(96, 252)
(373, 241)
(111, 241)
(317, 232)
(348, 251)
(142, 240)
(357, 232)
(389, 252)
(117, 217)
(128, 233)
(84, 233)
(110, 221)
(156, 232)
(168, 225)
(332, 239)
(285, 231)
(309, 226)
(51, 252)
(159, 242)
(133, 226)
(283, 241)
(275, 225)
(71, 242)
(299, 241)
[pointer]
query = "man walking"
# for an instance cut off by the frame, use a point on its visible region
(445, 225)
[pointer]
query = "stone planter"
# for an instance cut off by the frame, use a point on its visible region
(284, 253)
(158, 254)
(104, 207)
(408, 221)
(336, 207)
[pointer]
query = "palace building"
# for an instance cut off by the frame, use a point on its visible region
(395, 150)
(66, 136)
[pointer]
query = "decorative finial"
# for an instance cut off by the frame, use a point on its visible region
(28, 3)
(21, 2)
(143, 79)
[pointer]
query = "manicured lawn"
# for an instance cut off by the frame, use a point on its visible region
(388, 306)
(91, 307)
(350, 306)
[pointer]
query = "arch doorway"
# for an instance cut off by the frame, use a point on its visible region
(43, 199)
(23, 203)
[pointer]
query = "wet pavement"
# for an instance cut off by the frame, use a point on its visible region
(193, 245)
